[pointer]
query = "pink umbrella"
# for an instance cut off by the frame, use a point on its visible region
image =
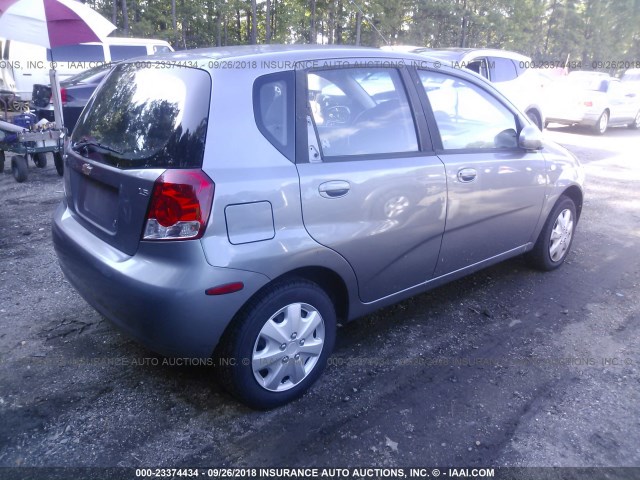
(52, 22)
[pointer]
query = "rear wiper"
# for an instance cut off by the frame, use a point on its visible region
(92, 143)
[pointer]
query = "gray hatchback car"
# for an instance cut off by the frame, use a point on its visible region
(237, 203)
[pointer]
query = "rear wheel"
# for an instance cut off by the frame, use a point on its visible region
(635, 125)
(556, 237)
(602, 124)
(19, 168)
(40, 159)
(59, 162)
(278, 345)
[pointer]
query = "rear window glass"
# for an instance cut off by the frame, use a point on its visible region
(122, 52)
(502, 69)
(143, 117)
(76, 53)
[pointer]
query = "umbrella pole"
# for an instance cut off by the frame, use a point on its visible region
(55, 97)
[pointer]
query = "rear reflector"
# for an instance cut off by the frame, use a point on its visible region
(588, 103)
(180, 205)
(224, 289)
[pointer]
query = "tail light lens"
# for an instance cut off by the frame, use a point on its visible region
(180, 206)
(588, 103)
(64, 96)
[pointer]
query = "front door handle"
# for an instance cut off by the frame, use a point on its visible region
(334, 189)
(467, 175)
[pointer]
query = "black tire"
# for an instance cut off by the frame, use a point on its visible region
(40, 159)
(244, 338)
(59, 162)
(536, 119)
(2, 158)
(19, 168)
(635, 125)
(541, 256)
(602, 124)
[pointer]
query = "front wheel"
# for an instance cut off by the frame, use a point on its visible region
(278, 345)
(554, 242)
(535, 118)
(19, 168)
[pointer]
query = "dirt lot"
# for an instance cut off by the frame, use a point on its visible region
(508, 367)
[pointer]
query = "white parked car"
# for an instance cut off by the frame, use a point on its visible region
(510, 72)
(593, 99)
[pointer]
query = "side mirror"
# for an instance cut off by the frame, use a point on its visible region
(530, 138)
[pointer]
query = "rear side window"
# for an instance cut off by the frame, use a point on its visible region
(143, 117)
(161, 49)
(76, 53)
(274, 110)
(122, 52)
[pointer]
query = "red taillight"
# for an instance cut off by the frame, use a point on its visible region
(179, 206)
(588, 103)
(63, 95)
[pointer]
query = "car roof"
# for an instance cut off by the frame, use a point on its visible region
(293, 53)
(458, 54)
(584, 73)
(134, 41)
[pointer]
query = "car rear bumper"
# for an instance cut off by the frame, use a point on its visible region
(156, 296)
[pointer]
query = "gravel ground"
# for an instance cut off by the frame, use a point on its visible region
(508, 367)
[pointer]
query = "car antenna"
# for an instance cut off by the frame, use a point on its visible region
(369, 20)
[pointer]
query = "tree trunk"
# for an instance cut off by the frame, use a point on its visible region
(239, 25)
(174, 19)
(313, 37)
(254, 22)
(332, 23)
(114, 12)
(267, 23)
(358, 26)
(218, 25)
(338, 35)
(125, 17)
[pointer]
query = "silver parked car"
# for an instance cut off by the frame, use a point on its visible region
(239, 202)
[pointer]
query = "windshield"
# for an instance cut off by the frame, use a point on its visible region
(143, 117)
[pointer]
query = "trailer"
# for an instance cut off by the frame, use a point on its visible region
(31, 143)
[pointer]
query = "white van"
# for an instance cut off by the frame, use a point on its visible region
(31, 63)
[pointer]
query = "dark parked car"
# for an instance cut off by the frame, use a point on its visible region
(242, 213)
(74, 93)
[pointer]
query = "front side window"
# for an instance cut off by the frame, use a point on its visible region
(360, 111)
(467, 116)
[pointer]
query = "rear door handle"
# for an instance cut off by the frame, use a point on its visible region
(334, 189)
(467, 175)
